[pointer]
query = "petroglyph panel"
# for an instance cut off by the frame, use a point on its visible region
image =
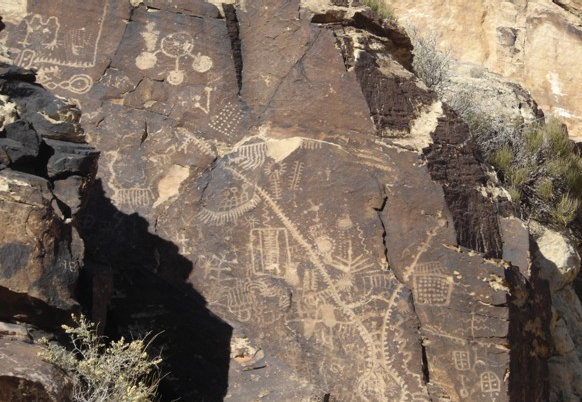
(332, 245)
(68, 53)
(323, 286)
(177, 46)
(270, 253)
(176, 71)
(227, 121)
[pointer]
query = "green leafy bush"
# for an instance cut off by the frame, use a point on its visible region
(118, 371)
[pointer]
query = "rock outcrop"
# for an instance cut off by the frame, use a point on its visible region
(557, 257)
(537, 43)
(44, 172)
(280, 159)
(45, 169)
(25, 377)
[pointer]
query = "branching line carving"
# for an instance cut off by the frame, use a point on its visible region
(370, 377)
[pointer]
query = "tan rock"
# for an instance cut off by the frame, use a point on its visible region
(557, 257)
(536, 43)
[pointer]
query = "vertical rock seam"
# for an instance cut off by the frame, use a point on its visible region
(233, 32)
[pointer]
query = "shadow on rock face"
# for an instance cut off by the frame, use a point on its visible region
(132, 278)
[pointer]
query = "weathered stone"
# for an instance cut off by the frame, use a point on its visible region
(556, 256)
(70, 159)
(21, 145)
(534, 42)
(557, 259)
(516, 243)
(24, 376)
(573, 6)
(40, 252)
(317, 196)
(34, 257)
(49, 116)
(14, 332)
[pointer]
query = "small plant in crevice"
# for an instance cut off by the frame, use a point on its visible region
(430, 64)
(381, 8)
(120, 371)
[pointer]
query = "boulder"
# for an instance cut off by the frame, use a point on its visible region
(24, 376)
(42, 184)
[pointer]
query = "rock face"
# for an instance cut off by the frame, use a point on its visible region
(286, 165)
(24, 377)
(45, 169)
(559, 262)
(534, 42)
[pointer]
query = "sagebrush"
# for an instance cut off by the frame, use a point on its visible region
(118, 371)
(430, 64)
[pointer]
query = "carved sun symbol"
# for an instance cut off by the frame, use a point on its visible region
(345, 282)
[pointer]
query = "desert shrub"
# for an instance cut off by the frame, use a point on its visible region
(556, 136)
(501, 159)
(430, 64)
(384, 10)
(518, 177)
(514, 193)
(536, 161)
(565, 210)
(119, 371)
(533, 140)
(538, 165)
(545, 189)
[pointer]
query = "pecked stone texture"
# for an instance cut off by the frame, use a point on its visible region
(322, 201)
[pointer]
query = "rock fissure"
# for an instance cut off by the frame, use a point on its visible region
(232, 25)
